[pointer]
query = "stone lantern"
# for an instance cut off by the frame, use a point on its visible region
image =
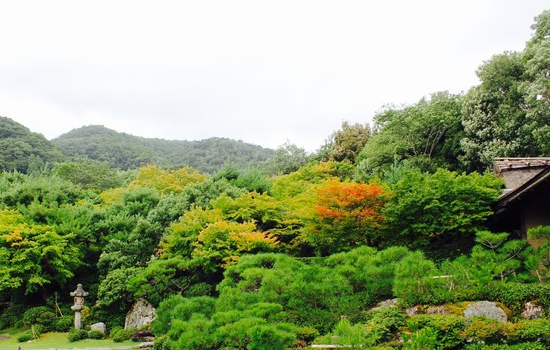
(79, 294)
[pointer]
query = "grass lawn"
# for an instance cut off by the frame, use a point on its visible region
(54, 341)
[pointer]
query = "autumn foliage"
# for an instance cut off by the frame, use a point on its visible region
(350, 200)
(348, 213)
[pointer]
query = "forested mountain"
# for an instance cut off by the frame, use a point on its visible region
(126, 151)
(23, 150)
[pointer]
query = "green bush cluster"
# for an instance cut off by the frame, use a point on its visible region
(447, 329)
(438, 331)
(81, 334)
(385, 323)
(25, 337)
(62, 324)
(34, 332)
(77, 334)
(95, 334)
(520, 346)
(453, 332)
(307, 334)
(11, 317)
(40, 315)
(515, 295)
(120, 335)
(162, 343)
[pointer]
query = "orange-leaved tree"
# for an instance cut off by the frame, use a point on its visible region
(347, 215)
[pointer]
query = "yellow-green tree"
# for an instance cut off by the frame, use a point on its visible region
(33, 256)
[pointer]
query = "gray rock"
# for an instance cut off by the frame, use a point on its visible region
(385, 304)
(486, 309)
(99, 327)
(141, 314)
(412, 311)
(438, 310)
(532, 311)
(143, 335)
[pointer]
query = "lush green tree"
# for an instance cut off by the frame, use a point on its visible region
(287, 158)
(536, 87)
(426, 133)
(221, 243)
(176, 275)
(495, 257)
(166, 181)
(346, 143)
(113, 292)
(431, 211)
(89, 174)
(250, 179)
(19, 190)
(494, 114)
(33, 256)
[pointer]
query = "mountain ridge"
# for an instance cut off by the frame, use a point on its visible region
(126, 151)
(24, 150)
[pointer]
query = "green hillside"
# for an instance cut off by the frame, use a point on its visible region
(23, 150)
(126, 151)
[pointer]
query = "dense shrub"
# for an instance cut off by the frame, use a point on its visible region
(307, 334)
(11, 317)
(25, 337)
(38, 329)
(486, 331)
(424, 338)
(350, 335)
(385, 323)
(162, 343)
(468, 294)
(38, 315)
(522, 346)
(413, 282)
(77, 334)
(111, 318)
(515, 295)
(95, 334)
(121, 335)
(271, 337)
(531, 330)
(62, 324)
(447, 329)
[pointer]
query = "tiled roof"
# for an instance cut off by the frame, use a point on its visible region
(505, 164)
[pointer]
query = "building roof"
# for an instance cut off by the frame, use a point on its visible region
(523, 192)
(508, 164)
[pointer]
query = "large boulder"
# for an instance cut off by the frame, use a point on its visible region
(487, 309)
(99, 327)
(143, 335)
(141, 314)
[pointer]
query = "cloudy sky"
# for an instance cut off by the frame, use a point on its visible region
(265, 72)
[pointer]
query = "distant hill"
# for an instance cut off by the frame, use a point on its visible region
(23, 150)
(126, 151)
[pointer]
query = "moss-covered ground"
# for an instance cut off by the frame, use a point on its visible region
(8, 341)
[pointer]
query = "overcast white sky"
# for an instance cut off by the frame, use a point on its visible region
(264, 72)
